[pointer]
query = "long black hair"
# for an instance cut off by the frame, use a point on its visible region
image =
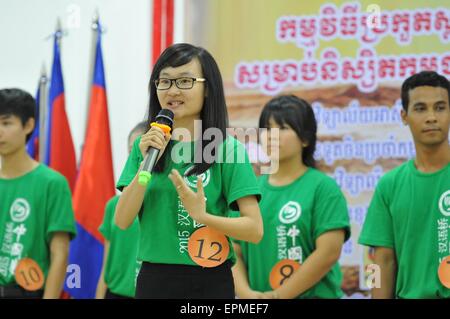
(299, 115)
(214, 111)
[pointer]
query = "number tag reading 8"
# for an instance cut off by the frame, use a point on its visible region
(444, 272)
(29, 275)
(283, 270)
(208, 248)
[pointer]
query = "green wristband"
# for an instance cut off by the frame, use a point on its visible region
(144, 178)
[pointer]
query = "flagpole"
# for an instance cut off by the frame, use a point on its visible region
(95, 29)
(43, 109)
(95, 183)
(59, 33)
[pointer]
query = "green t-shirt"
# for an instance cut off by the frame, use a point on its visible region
(165, 225)
(294, 216)
(410, 213)
(32, 207)
(121, 267)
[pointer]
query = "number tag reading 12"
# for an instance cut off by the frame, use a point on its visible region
(281, 271)
(208, 248)
(29, 275)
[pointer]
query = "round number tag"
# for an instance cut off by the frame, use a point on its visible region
(444, 272)
(282, 271)
(29, 275)
(208, 248)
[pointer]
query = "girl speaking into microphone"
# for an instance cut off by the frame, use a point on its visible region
(184, 242)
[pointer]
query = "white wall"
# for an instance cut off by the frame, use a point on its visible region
(126, 53)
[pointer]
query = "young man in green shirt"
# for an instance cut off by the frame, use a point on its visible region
(36, 216)
(120, 264)
(409, 216)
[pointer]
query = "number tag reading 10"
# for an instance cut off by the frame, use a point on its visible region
(208, 248)
(283, 270)
(29, 275)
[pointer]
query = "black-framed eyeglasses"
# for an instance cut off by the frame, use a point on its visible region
(184, 83)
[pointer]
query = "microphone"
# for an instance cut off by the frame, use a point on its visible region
(164, 120)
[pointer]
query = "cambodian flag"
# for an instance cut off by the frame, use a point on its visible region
(59, 151)
(94, 186)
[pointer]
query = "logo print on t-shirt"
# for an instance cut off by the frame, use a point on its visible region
(290, 212)
(192, 180)
(444, 203)
(20, 210)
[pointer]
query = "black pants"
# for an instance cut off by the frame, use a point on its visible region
(167, 281)
(111, 295)
(17, 292)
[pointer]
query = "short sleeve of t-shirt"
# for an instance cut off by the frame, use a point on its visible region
(378, 228)
(331, 210)
(238, 177)
(105, 227)
(131, 166)
(60, 213)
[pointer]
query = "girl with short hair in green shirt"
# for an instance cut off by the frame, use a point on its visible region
(304, 214)
(191, 187)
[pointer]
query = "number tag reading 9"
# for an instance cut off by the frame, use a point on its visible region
(29, 275)
(208, 248)
(283, 270)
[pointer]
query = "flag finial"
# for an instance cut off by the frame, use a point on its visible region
(95, 19)
(43, 69)
(59, 32)
(96, 26)
(43, 72)
(58, 25)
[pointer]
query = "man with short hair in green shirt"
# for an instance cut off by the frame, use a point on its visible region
(36, 215)
(409, 215)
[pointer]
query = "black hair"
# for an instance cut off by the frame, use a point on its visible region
(19, 103)
(424, 78)
(299, 115)
(140, 127)
(214, 111)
